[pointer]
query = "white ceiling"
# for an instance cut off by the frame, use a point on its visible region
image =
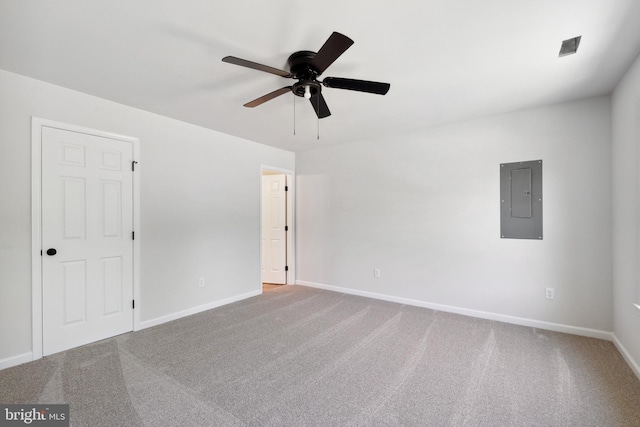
(446, 60)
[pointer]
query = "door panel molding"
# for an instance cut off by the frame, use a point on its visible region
(37, 125)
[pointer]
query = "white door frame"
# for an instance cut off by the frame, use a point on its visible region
(36, 223)
(291, 222)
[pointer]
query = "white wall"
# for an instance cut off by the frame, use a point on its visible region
(200, 198)
(626, 210)
(425, 209)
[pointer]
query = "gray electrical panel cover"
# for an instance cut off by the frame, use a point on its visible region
(521, 200)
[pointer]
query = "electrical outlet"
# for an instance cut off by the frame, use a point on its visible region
(550, 293)
(201, 282)
(376, 272)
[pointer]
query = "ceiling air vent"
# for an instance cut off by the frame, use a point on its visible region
(569, 47)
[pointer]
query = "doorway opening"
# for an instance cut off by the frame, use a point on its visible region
(277, 264)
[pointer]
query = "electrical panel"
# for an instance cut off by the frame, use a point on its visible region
(521, 200)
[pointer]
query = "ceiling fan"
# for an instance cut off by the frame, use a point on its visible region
(305, 66)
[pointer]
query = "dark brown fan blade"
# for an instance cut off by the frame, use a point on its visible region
(335, 46)
(319, 105)
(359, 85)
(268, 97)
(256, 66)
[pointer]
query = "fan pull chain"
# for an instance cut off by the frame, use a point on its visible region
(294, 115)
(318, 105)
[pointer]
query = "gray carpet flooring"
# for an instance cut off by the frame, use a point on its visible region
(299, 356)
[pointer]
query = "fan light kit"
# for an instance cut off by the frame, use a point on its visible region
(306, 66)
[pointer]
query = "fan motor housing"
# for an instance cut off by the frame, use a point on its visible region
(300, 65)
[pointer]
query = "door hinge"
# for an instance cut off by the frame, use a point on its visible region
(286, 188)
(286, 268)
(133, 303)
(133, 235)
(133, 165)
(286, 228)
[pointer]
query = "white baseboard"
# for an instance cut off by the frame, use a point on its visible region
(576, 330)
(592, 333)
(168, 318)
(627, 356)
(16, 360)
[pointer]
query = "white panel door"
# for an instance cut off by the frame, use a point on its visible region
(274, 236)
(87, 219)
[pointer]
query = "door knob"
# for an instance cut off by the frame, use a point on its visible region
(51, 252)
